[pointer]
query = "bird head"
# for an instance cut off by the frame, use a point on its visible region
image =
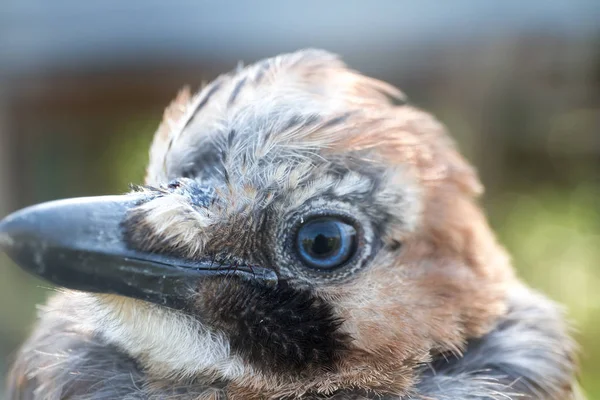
(302, 229)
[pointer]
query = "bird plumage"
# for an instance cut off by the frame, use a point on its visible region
(426, 307)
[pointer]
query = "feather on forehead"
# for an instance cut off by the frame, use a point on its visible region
(307, 101)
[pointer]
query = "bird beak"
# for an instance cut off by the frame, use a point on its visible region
(79, 244)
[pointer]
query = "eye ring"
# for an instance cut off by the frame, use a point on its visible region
(326, 243)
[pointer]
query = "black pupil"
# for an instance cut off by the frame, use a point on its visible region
(323, 240)
(326, 243)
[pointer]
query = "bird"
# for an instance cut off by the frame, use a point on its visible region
(303, 232)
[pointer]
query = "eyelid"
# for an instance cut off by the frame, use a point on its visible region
(291, 267)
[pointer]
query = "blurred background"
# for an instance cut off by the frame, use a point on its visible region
(83, 86)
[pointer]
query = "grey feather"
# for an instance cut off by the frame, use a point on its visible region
(528, 355)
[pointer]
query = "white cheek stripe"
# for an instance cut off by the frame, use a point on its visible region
(168, 341)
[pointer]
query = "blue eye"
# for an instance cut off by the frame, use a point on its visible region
(326, 243)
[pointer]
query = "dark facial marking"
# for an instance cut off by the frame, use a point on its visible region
(276, 328)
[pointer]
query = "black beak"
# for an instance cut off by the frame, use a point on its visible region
(79, 244)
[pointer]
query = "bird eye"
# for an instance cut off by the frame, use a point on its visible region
(326, 243)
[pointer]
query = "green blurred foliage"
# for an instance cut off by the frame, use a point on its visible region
(553, 236)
